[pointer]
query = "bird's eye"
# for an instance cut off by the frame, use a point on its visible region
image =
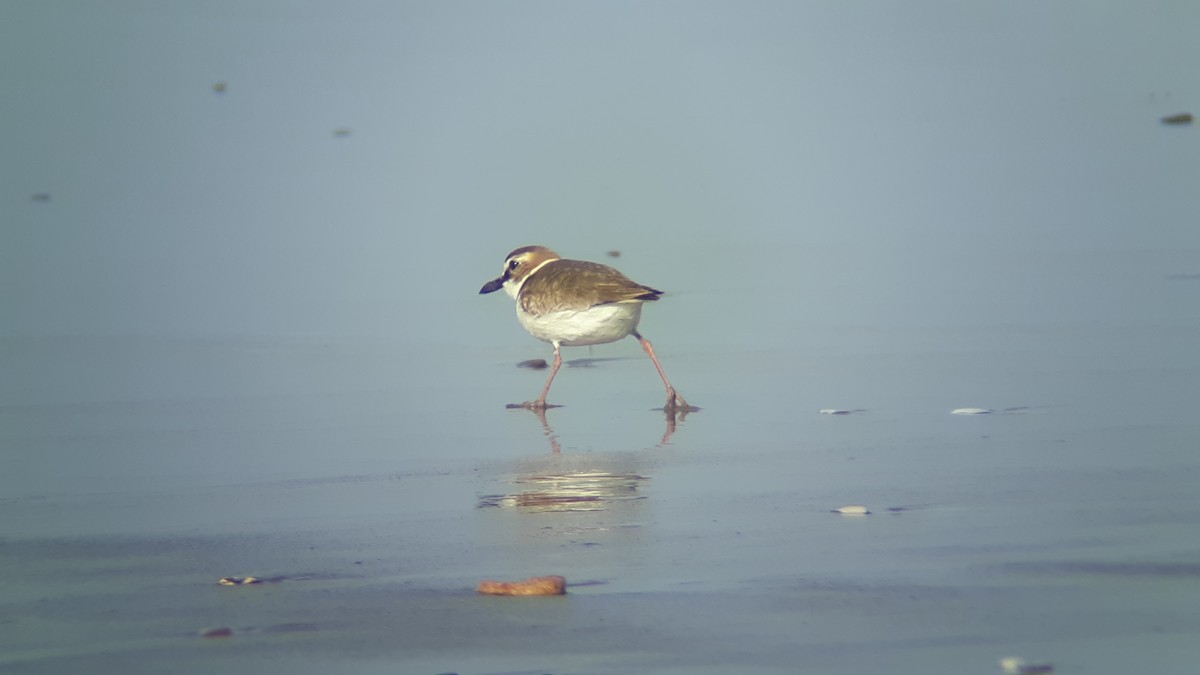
(513, 264)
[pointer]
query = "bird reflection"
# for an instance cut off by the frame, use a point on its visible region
(555, 447)
(673, 417)
(568, 491)
(553, 486)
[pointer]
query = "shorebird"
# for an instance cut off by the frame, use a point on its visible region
(571, 303)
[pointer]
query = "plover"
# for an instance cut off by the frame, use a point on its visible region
(571, 303)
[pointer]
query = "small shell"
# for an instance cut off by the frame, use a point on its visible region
(1015, 665)
(833, 411)
(1011, 664)
(238, 581)
(854, 510)
(971, 411)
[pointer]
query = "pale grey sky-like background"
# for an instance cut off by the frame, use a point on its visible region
(788, 162)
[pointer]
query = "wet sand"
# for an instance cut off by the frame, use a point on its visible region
(1061, 532)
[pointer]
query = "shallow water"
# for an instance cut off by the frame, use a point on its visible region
(242, 336)
(1062, 530)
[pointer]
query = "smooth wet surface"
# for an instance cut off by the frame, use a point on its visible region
(1065, 533)
(238, 342)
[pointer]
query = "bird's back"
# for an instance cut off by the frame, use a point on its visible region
(578, 285)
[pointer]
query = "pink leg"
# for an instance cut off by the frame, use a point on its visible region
(674, 399)
(540, 404)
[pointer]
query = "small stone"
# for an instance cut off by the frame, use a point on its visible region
(550, 585)
(222, 632)
(1178, 118)
(535, 364)
(971, 411)
(854, 510)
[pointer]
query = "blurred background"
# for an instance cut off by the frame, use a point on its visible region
(290, 168)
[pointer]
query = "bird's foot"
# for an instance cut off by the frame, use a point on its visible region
(676, 405)
(532, 405)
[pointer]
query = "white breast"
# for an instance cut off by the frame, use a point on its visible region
(597, 325)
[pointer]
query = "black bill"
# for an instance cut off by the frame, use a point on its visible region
(492, 286)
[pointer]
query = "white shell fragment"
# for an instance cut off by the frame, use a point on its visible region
(854, 510)
(1011, 664)
(971, 411)
(1015, 665)
(238, 581)
(833, 411)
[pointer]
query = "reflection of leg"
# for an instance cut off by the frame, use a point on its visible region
(674, 400)
(670, 430)
(541, 402)
(541, 415)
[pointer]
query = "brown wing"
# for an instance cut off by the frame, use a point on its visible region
(577, 284)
